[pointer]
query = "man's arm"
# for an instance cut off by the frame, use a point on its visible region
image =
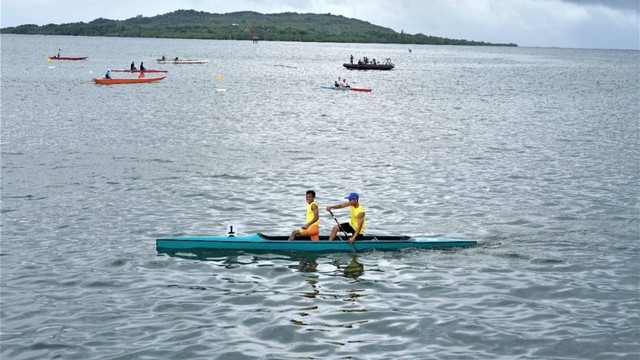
(338, 206)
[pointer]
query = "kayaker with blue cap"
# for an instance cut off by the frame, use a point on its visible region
(311, 227)
(357, 223)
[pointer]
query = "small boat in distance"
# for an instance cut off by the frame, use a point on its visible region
(262, 242)
(55, 57)
(347, 88)
(105, 81)
(180, 61)
(386, 65)
(145, 70)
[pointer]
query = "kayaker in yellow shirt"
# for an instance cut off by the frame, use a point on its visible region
(357, 223)
(312, 226)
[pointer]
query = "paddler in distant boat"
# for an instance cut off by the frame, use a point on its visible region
(351, 59)
(58, 56)
(338, 82)
(142, 68)
(345, 83)
(311, 227)
(133, 66)
(141, 76)
(108, 74)
(164, 58)
(357, 223)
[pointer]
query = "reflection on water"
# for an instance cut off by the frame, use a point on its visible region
(312, 281)
(354, 269)
(308, 266)
(302, 262)
(351, 269)
(321, 290)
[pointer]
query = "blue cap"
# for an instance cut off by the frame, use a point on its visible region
(353, 196)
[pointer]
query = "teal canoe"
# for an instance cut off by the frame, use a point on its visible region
(347, 88)
(337, 88)
(262, 242)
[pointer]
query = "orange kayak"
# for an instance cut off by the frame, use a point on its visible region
(361, 89)
(104, 81)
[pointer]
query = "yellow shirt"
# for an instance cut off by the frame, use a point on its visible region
(310, 214)
(353, 221)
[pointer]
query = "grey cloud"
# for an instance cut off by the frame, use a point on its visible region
(624, 5)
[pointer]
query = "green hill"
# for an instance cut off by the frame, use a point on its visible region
(245, 25)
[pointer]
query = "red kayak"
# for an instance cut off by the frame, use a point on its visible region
(67, 58)
(104, 81)
(145, 70)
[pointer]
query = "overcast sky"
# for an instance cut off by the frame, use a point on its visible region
(604, 24)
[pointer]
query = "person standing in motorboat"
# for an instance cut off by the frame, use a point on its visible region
(311, 227)
(357, 222)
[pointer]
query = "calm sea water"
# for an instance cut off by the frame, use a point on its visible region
(533, 152)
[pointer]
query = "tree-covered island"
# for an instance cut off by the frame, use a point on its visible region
(245, 25)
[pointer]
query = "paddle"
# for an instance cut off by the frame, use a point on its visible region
(340, 226)
(345, 233)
